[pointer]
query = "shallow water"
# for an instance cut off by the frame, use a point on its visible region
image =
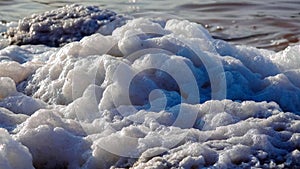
(270, 24)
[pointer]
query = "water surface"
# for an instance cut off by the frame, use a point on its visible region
(270, 24)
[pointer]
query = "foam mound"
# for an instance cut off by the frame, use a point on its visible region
(152, 94)
(64, 25)
(13, 155)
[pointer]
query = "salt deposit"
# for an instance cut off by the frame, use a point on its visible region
(152, 94)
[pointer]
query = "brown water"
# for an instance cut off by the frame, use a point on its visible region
(269, 24)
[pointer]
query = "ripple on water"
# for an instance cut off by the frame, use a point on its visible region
(270, 24)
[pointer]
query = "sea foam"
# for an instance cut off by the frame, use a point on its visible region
(152, 94)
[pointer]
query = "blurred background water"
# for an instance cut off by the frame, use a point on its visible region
(269, 24)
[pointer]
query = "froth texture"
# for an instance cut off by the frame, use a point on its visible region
(152, 94)
(64, 25)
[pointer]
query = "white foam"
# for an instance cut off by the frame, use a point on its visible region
(7, 87)
(129, 100)
(13, 155)
(20, 103)
(10, 120)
